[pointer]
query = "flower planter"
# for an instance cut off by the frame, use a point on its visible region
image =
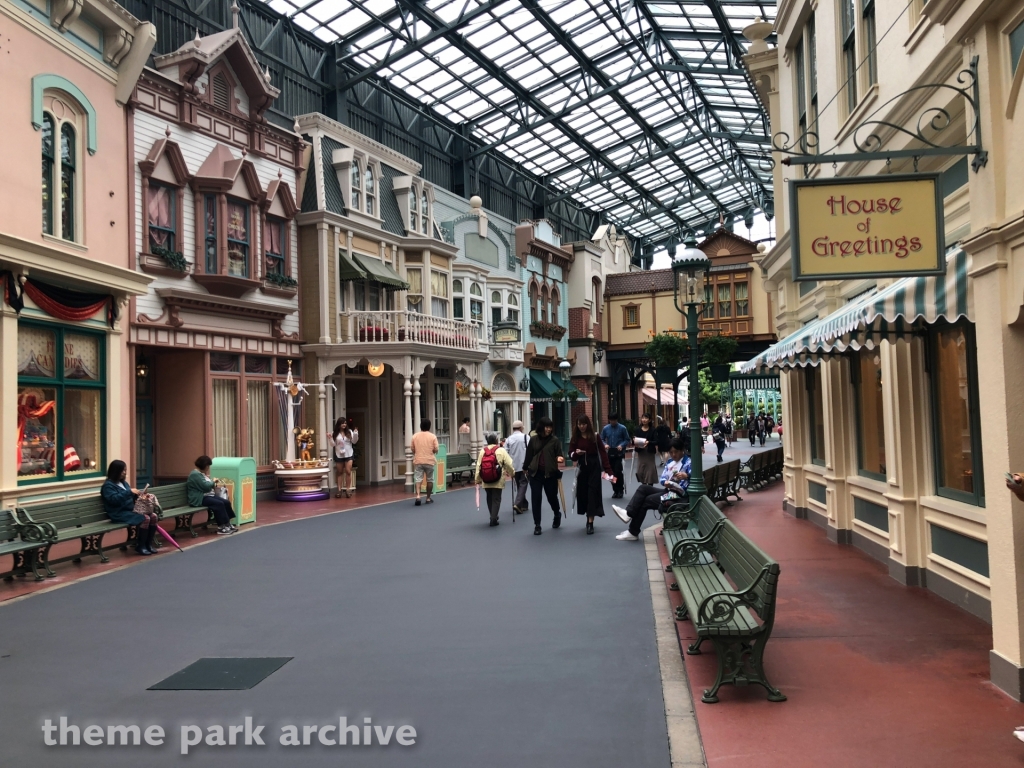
(156, 265)
(282, 291)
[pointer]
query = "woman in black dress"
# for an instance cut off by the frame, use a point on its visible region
(646, 454)
(587, 450)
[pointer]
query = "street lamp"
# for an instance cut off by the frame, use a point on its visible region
(688, 270)
(565, 368)
(497, 417)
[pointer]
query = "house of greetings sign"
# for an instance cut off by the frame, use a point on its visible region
(878, 226)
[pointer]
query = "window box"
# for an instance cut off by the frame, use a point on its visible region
(284, 287)
(547, 330)
(158, 264)
(227, 285)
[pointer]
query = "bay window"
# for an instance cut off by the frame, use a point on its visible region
(438, 293)
(424, 213)
(413, 209)
(476, 305)
(414, 296)
(370, 190)
(356, 177)
(210, 237)
(513, 307)
(496, 307)
(742, 300)
(274, 246)
(458, 311)
(238, 238)
(162, 215)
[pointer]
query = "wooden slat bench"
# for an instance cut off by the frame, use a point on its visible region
(730, 601)
(702, 524)
(174, 504)
(459, 463)
(82, 518)
(24, 542)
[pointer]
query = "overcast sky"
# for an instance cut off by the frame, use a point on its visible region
(762, 228)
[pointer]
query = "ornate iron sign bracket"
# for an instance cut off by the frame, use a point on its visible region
(929, 129)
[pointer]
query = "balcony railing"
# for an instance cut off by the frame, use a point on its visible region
(393, 327)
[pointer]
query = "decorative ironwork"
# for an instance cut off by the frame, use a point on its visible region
(927, 129)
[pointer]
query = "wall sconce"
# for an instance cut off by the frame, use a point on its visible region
(375, 368)
(142, 369)
(598, 356)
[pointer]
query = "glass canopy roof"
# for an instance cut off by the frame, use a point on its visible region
(636, 108)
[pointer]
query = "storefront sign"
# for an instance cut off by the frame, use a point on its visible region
(506, 334)
(879, 226)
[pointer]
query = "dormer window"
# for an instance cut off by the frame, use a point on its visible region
(413, 208)
(357, 204)
(371, 191)
(424, 213)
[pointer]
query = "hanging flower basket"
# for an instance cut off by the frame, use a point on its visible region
(719, 373)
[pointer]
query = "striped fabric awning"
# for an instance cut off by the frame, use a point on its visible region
(890, 312)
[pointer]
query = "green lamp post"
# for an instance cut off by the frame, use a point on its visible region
(565, 369)
(688, 270)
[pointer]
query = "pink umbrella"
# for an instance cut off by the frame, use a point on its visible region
(168, 536)
(477, 497)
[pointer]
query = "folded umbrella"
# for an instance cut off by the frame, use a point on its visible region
(478, 497)
(170, 538)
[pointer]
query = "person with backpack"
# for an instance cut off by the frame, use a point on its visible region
(587, 450)
(493, 467)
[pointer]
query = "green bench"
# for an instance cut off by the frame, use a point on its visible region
(707, 518)
(173, 501)
(24, 542)
(82, 518)
(731, 601)
(458, 463)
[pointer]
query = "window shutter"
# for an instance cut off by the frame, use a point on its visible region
(221, 92)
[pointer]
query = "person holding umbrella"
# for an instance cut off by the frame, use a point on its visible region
(587, 450)
(543, 463)
(119, 504)
(493, 467)
(516, 447)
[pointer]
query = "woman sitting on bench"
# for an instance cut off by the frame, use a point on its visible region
(646, 497)
(119, 504)
(201, 493)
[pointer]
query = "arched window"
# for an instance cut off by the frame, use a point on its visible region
(554, 306)
(544, 304)
(60, 166)
(534, 308)
(502, 382)
(496, 307)
(513, 307)
(413, 218)
(357, 203)
(370, 190)
(48, 173)
(425, 213)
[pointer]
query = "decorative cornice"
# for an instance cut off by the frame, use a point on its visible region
(335, 130)
(201, 302)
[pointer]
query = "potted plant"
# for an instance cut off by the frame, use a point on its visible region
(277, 284)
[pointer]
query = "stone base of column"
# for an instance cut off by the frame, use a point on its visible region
(1006, 675)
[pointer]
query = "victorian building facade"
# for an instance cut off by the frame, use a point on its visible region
(214, 201)
(65, 243)
(902, 399)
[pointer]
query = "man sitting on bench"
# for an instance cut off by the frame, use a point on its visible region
(675, 476)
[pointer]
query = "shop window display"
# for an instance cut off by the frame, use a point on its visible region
(60, 402)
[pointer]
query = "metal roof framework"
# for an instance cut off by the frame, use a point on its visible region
(635, 108)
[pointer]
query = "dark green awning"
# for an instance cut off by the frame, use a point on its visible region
(570, 387)
(379, 272)
(542, 387)
(347, 269)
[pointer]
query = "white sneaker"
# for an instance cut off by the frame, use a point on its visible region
(621, 513)
(626, 536)
(227, 530)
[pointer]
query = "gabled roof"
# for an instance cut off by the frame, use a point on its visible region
(221, 169)
(197, 56)
(723, 239)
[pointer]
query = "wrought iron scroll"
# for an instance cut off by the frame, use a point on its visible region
(928, 129)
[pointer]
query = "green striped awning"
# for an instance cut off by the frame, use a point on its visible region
(883, 314)
(347, 269)
(379, 272)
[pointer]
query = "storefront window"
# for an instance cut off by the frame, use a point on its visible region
(225, 417)
(870, 419)
(60, 406)
(954, 400)
(816, 413)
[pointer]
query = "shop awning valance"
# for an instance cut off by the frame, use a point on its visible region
(650, 395)
(379, 272)
(884, 314)
(348, 269)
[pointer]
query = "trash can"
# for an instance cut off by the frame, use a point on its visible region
(239, 475)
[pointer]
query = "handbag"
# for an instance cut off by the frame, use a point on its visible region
(145, 504)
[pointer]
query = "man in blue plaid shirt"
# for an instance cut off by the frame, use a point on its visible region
(651, 497)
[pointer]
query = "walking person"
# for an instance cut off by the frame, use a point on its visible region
(704, 424)
(645, 445)
(587, 450)
(119, 503)
(718, 434)
(543, 463)
(424, 459)
(664, 438)
(515, 444)
(647, 497)
(345, 438)
(201, 491)
(493, 466)
(752, 429)
(762, 426)
(616, 439)
(464, 436)
(769, 425)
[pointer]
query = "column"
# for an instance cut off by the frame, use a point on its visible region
(474, 419)
(416, 415)
(407, 390)
(324, 239)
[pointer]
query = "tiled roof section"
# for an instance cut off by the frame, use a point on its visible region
(332, 189)
(723, 238)
(309, 202)
(645, 281)
(389, 212)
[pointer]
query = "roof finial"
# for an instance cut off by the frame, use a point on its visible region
(266, 74)
(197, 41)
(234, 14)
(280, 173)
(167, 132)
(244, 152)
(295, 127)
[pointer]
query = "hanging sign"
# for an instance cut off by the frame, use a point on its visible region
(506, 333)
(877, 226)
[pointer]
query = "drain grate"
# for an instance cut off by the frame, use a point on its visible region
(211, 674)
